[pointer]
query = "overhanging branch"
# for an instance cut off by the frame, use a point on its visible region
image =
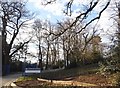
(84, 15)
(98, 17)
(21, 46)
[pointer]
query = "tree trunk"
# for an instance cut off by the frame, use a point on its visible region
(47, 56)
(67, 58)
(40, 57)
(5, 47)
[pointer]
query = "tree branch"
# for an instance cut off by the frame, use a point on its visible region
(21, 46)
(98, 17)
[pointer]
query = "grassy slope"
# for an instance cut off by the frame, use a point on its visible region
(85, 74)
(61, 74)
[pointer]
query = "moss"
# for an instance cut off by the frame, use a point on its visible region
(25, 78)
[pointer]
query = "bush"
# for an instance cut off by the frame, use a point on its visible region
(118, 80)
(111, 69)
(72, 64)
(108, 68)
(115, 79)
(55, 67)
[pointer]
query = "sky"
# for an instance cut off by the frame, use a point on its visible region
(54, 12)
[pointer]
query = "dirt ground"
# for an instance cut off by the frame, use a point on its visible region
(96, 79)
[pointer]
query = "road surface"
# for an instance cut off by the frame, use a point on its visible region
(6, 80)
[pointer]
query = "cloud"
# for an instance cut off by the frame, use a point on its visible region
(48, 16)
(107, 22)
(54, 9)
(51, 11)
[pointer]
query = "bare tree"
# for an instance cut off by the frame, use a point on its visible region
(82, 16)
(13, 16)
(38, 31)
(74, 45)
(47, 39)
(116, 39)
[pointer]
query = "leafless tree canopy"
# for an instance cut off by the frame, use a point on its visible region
(13, 16)
(82, 16)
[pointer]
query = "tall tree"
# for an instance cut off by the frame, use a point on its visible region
(83, 15)
(115, 49)
(38, 29)
(117, 40)
(13, 16)
(48, 28)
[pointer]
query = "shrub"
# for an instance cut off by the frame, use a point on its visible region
(111, 69)
(115, 79)
(55, 67)
(108, 68)
(73, 64)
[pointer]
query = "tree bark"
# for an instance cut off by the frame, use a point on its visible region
(47, 55)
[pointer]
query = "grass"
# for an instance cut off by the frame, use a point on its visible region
(86, 74)
(61, 74)
(25, 78)
(64, 73)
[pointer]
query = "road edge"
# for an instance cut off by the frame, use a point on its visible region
(13, 85)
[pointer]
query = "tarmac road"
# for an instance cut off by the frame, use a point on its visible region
(6, 80)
